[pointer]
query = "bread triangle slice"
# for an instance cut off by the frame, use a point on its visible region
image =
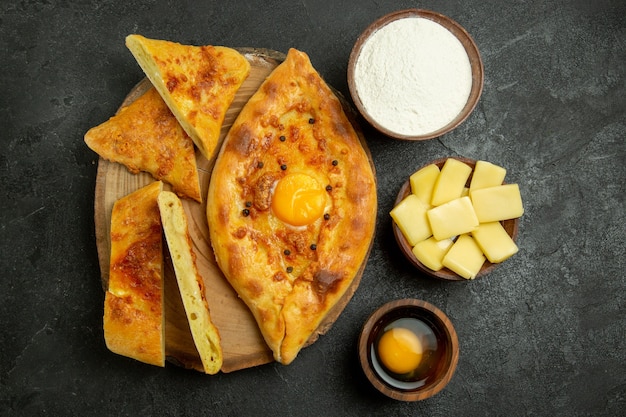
(198, 83)
(145, 136)
(205, 335)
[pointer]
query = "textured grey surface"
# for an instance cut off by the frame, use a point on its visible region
(542, 335)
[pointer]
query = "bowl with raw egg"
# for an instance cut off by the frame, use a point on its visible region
(408, 349)
(415, 74)
(457, 219)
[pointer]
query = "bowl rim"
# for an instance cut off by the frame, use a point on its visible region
(511, 226)
(459, 32)
(370, 373)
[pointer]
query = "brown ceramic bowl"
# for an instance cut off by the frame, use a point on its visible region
(440, 342)
(458, 31)
(511, 226)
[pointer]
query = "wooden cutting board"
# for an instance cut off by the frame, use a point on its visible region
(242, 343)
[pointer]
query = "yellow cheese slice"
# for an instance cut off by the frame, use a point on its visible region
(431, 251)
(450, 182)
(423, 181)
(494, 241)
(497, 203)
(452, 218)
(410, 216)
(464, 257)
(487, 174)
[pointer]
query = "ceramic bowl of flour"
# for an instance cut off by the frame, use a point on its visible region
(415, 74)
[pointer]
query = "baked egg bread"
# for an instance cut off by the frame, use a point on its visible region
(291, 205)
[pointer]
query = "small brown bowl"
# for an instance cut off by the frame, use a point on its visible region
(511, 226)
(458, 31)
(438, 337)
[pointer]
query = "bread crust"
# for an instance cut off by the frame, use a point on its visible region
(133, 308)
(198, 83)
(291, 277)
(145, 136)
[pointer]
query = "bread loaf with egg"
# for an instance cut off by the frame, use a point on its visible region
(291, 206)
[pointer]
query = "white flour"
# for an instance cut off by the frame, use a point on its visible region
(413, 76)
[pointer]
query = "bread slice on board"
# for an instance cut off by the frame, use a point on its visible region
(191, 285)
(145, 136)
(133, 305)
(198, 83)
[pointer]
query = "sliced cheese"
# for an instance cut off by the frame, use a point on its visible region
(423, 181)
(495, 242)
(487, 174)
(452, 218)
(431, 251)
(464, 257)
(410, 217)
(450, 182)
(497, 203)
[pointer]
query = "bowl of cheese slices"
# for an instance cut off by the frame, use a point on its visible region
(457, 219)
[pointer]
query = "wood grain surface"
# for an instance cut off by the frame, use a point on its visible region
(242, 342)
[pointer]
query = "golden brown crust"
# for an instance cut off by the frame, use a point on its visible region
(145, 136)
(198, 83)
(133, 308)
(290, 277)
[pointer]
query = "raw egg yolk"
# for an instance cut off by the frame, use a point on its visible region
(400, 350)
(298, 199)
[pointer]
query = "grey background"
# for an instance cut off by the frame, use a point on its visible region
(542, 335)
